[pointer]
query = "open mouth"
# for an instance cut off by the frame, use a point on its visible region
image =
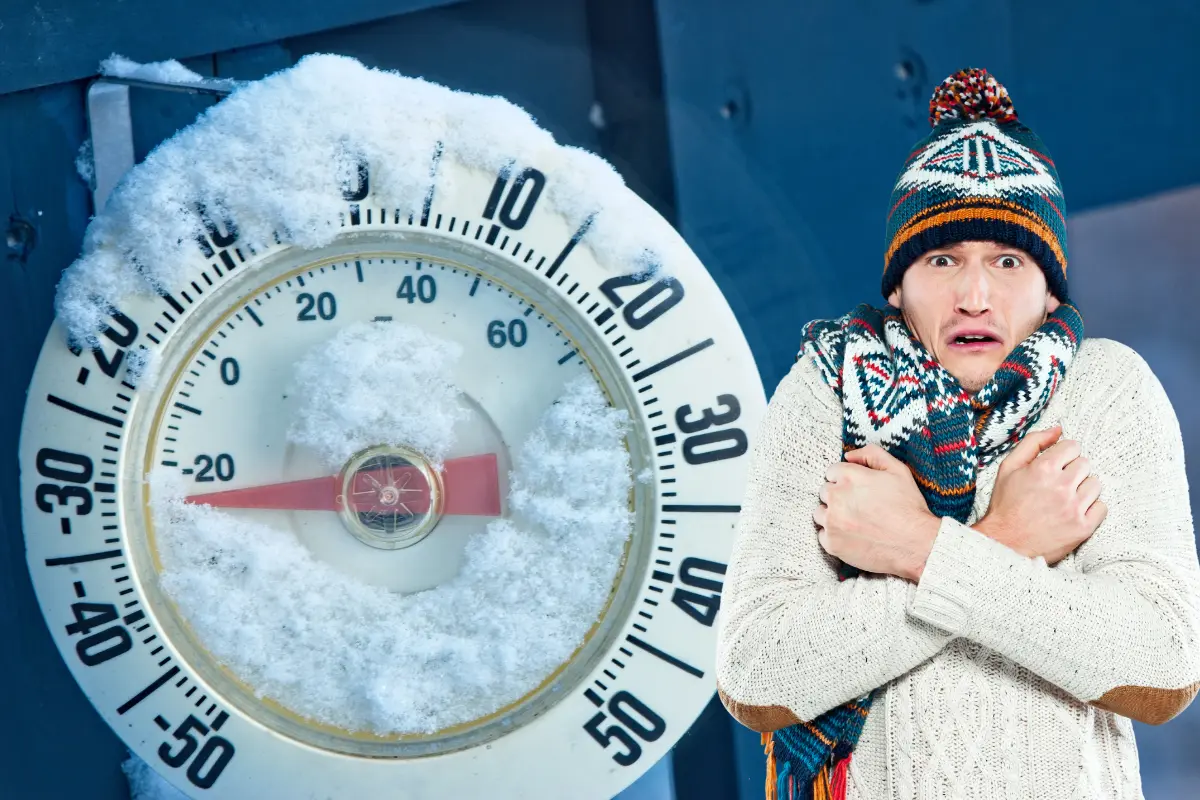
(974, 341)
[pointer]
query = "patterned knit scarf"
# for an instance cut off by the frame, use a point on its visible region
(895, 395)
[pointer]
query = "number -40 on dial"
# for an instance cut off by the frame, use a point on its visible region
(440, 508)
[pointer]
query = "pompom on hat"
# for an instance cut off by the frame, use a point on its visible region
(980, 175)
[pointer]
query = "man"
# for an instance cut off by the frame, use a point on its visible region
(965, 559)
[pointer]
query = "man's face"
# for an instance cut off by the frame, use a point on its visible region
(971, 303)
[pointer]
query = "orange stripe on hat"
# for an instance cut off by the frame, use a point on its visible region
(994, 210)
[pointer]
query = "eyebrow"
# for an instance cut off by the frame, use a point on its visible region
(957, 246)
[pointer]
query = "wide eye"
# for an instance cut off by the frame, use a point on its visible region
(1009, 262)
(941, 261)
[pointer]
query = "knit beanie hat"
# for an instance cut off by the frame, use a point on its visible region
(980, 175)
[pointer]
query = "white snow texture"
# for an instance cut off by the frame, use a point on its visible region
(276, 154)
(361, 657)
(146, 784)
(119, 66)
(377, 383)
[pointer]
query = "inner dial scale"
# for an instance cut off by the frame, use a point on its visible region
(387, 515)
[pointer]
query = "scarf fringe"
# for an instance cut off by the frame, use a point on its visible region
(768, 742)
(783, 787)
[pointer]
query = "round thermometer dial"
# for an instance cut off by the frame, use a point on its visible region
(441, 507)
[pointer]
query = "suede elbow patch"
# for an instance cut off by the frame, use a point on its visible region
(1147, 705)
(762, 719)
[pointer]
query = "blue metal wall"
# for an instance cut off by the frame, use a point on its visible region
(769, 131)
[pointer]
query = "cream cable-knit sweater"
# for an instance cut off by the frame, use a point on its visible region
(1001, 674)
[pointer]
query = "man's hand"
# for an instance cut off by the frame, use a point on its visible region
(1045, 502)
(873, 516)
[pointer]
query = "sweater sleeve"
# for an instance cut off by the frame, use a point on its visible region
(793, 640)
(1118, 627)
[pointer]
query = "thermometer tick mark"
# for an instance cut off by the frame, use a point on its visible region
(667, 657)
(474, 286)
(83, 376)
(79, 592)
(566, 358)
(186, 407)
(161, 723)
(67, 560)
(149, 690)
(85, 412)
(65, 524)
(173, 303)
(566, 251)
(666, 362)
(220, 720)
(591, 695)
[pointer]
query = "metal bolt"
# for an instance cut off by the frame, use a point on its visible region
(21, 238)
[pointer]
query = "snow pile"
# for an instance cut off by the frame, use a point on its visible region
(377, 383)
(119, 66)
(361, 657)
(276, 155)
(85, 163)
(146, 784)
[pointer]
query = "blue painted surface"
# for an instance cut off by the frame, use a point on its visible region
(787, 195)
(55, 41)
(787, 124)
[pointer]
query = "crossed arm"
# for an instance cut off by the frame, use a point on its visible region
(1121, 632)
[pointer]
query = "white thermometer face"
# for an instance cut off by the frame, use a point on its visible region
(340, 476)
(233, 398)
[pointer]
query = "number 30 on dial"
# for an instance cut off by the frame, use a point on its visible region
(490, 267)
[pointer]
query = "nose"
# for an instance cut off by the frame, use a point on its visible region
(972, 295)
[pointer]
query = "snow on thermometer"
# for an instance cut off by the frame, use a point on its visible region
(384, 447)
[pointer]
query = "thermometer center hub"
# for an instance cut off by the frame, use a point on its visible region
(391, 497)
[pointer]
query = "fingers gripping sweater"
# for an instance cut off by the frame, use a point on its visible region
(1003, 677)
